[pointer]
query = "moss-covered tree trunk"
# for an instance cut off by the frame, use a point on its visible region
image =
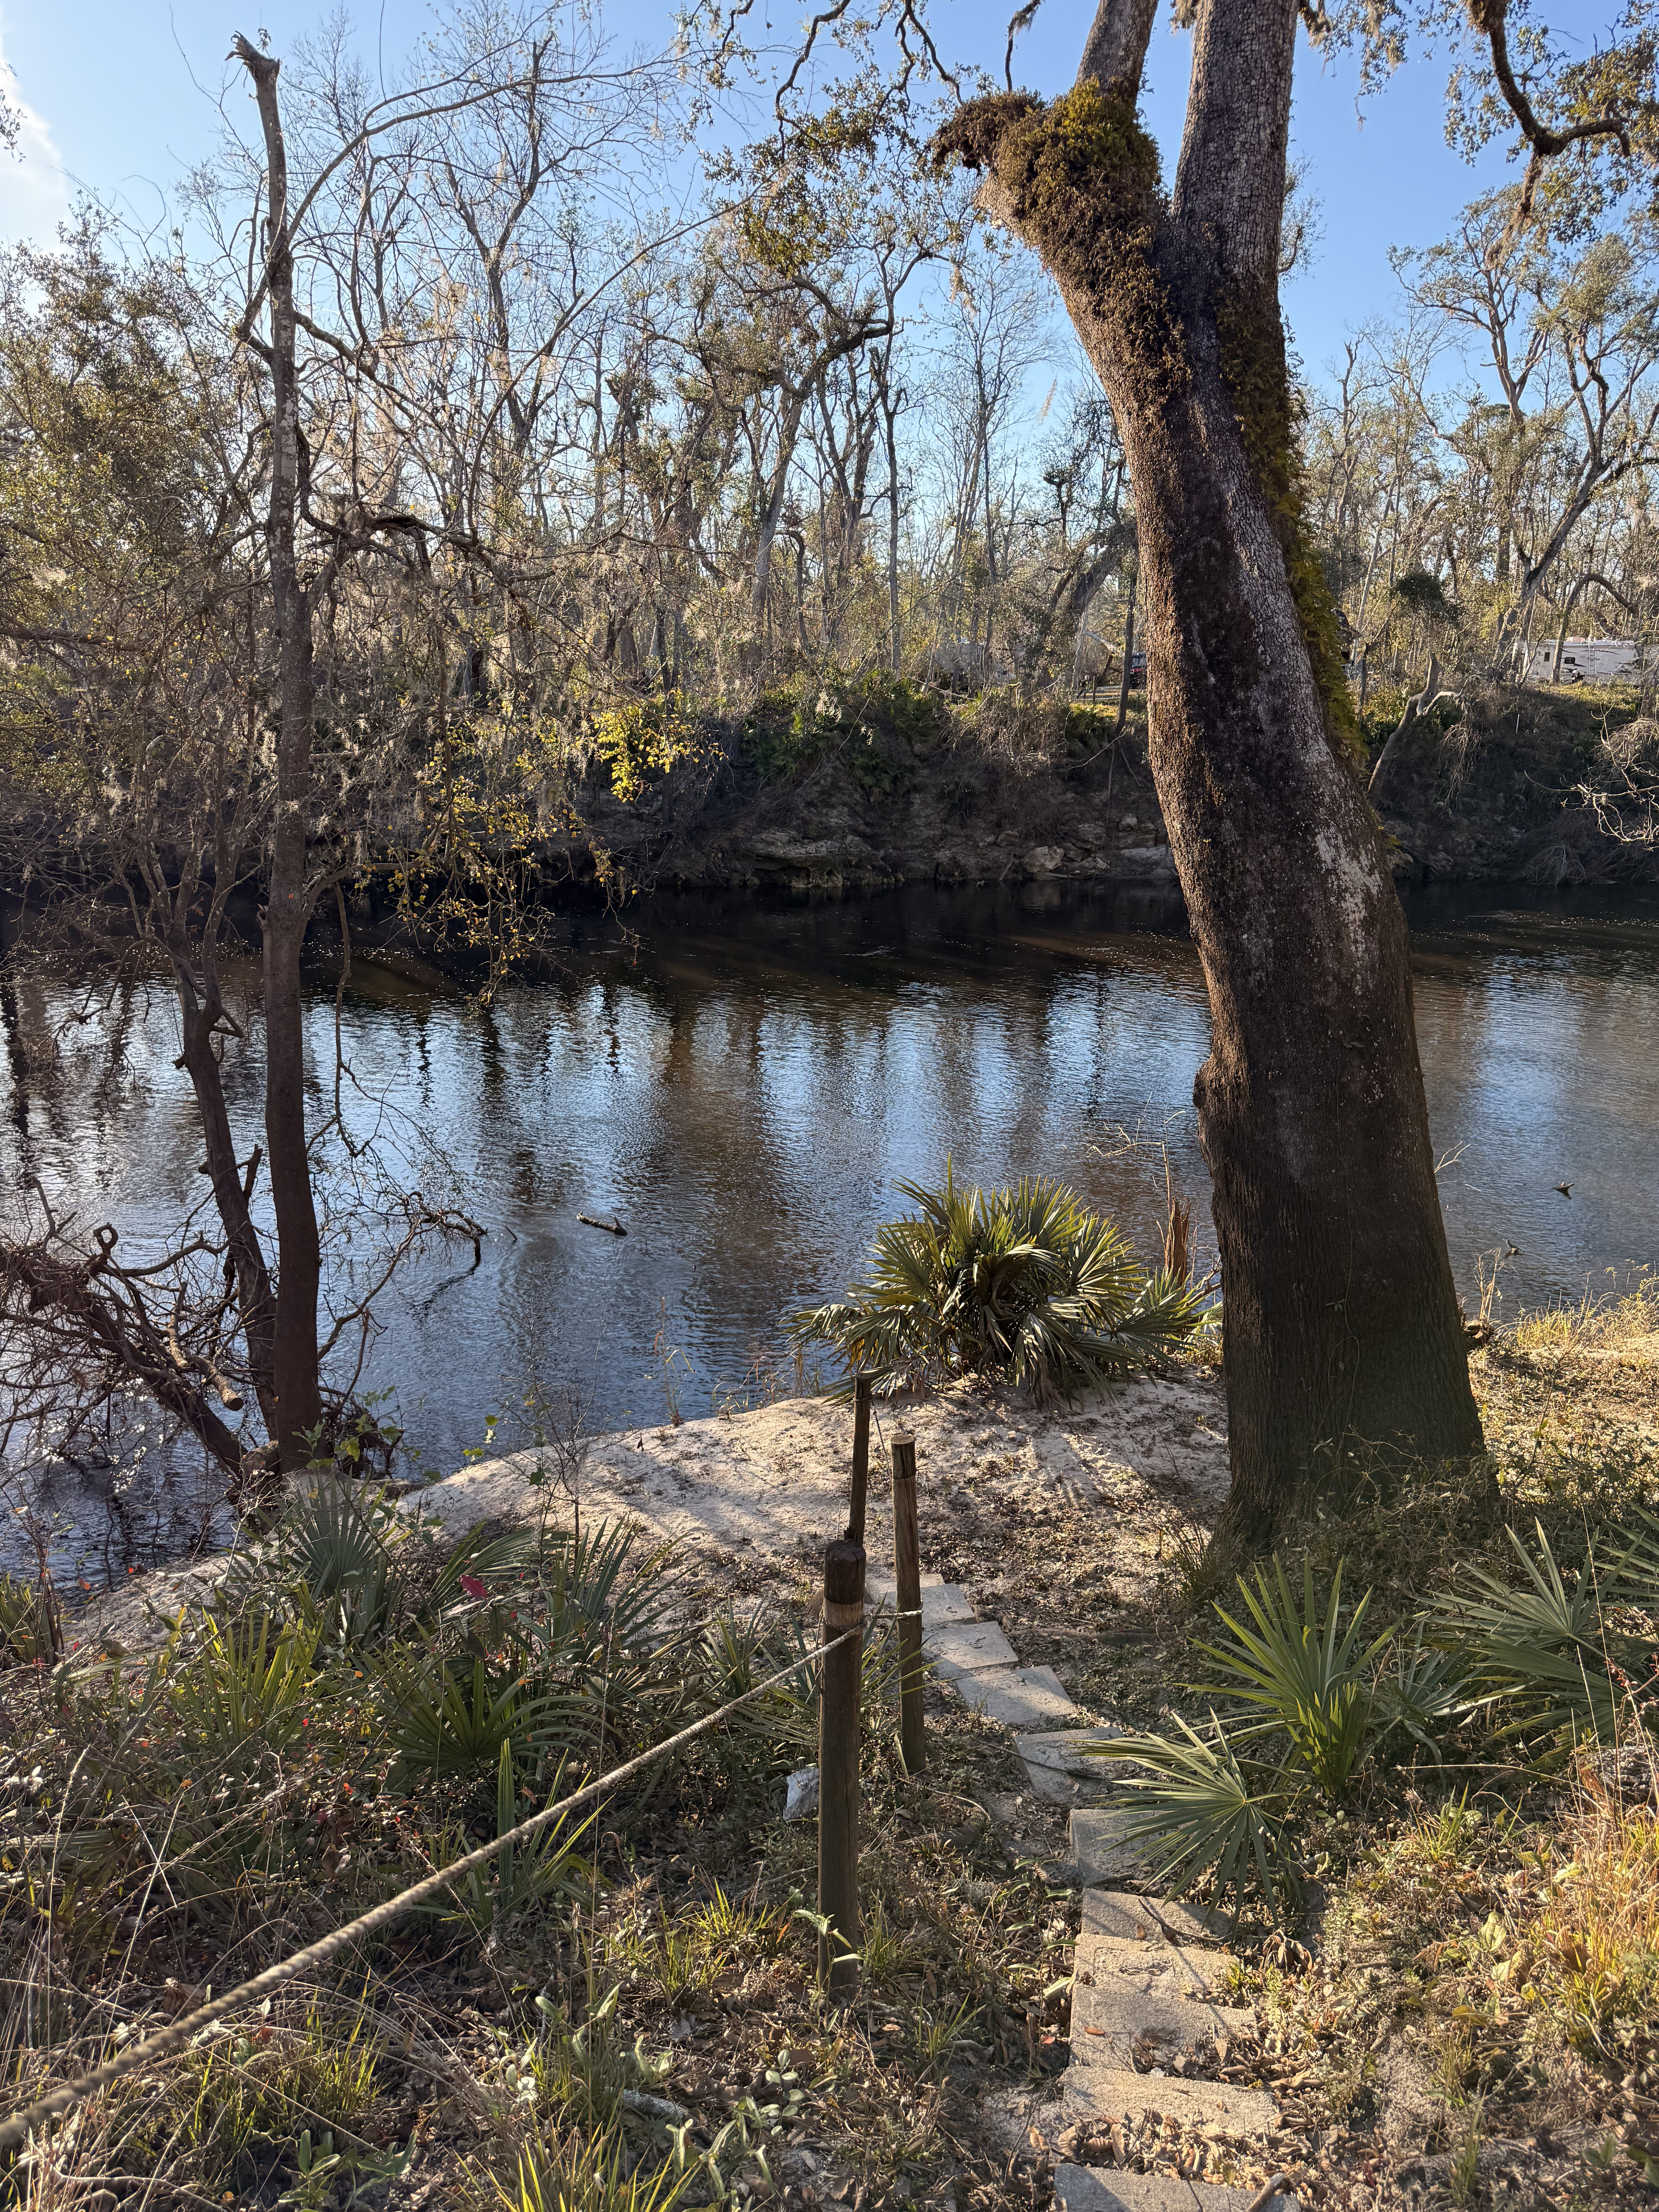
(1343, 1328)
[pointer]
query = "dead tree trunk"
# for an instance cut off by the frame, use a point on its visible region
(1342, 1324)
(288, 895)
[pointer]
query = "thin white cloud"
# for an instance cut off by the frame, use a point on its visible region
(34, 193)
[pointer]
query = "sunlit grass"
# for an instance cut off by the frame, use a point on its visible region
(1626, 1324)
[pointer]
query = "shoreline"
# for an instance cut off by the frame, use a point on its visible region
(752, 1497)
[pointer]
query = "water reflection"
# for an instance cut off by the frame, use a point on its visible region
(743, 1085)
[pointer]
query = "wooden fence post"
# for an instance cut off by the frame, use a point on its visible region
(907, 1576)
(841, 1678)
(861, 1458)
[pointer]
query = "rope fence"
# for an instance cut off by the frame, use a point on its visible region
(19, 2126)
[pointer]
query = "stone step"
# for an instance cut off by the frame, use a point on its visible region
(943, 1604)
(1060, 1766)
(1113, 1912)
(967, 1648)
(1181, 1970)
(1100, 1850)
(1101, 2189)
(1019, 1697)
(1136, 1993)
(1091, 2093)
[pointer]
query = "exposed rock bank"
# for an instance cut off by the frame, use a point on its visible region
(997, 791)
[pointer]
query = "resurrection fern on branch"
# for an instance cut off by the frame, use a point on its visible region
(1025, 1284)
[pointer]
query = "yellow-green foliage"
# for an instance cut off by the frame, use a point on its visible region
(1081, 175)
(1626, 1325)
(1537, 1941)
(878, 722)
(230, 2103)
(802, 198)
(643, 739)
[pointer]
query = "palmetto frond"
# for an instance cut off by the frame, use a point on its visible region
(1206, 1811)
(1025, 1282)
(1575, 1651)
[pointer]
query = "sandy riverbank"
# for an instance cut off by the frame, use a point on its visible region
(752, 1497)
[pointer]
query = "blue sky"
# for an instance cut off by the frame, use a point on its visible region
(121, 99)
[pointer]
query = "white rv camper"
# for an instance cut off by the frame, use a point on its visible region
(1587, 660)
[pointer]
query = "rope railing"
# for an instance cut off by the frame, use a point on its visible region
(19, 2126)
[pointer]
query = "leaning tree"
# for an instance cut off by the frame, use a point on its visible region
(1343, 1325)
(1344, 1331)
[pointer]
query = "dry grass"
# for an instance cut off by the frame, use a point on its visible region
(665, 1996)
(1624, 1327)
(1484, 1975)
(1486, 1985)
(1474, 2018)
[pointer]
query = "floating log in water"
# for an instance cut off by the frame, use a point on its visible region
(610, 1228)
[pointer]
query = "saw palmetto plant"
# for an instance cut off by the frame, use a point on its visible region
(1302, 1702)
(1573, 1652)
(1025, 1284)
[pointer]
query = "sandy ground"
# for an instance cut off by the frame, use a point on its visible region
(751, 1498)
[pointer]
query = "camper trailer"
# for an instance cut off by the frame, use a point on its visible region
(1587, 660)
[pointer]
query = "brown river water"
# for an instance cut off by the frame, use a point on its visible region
(743, 1084)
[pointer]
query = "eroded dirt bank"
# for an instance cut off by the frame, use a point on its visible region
(848, 793)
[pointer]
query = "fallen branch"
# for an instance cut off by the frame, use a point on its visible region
(610, 1228)
(39, 1284)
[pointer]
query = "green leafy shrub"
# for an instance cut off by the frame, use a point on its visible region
(242, 1687)
(1308, 1703)
(1024, 1283)
(527, 1877)
(452, 1718)
(31, 1633)
(1312, 1680)
(878, 722)
(330, 1560)
(1225, 1802)
(758, 1746)
(569, 2175)
(557, 1658)
(1090, 729)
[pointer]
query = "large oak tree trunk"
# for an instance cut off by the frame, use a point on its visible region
(1343, 1329)
(288, 895)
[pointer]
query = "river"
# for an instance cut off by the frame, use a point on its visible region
(743, 1085)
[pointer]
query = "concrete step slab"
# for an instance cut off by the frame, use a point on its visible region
(1115, 2092)
(1129, 1919)
(1100, 1849)
(1019, 1697)
(1139, 1998)
(1184, 1969)
(1101, 2189)
(967, 1648)
(1094, 2189)
(1059, 1765)
(943, 1605)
